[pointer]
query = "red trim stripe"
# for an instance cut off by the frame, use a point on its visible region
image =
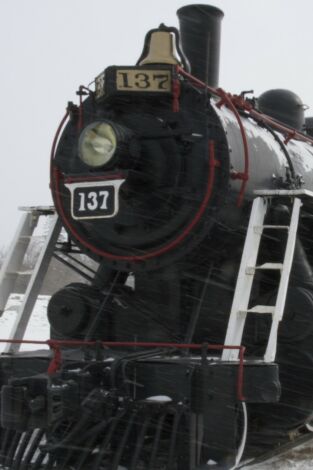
(56, 345)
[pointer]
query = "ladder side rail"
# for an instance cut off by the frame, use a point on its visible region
(244, 281)
(35, 284)
(15, 255)
(284, 281)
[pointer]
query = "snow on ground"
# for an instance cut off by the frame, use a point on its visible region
(38, 326)
(300, 458)
(38, 329)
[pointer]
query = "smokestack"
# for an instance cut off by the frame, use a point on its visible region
(200, 32)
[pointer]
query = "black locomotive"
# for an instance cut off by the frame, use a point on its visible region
(153, 176)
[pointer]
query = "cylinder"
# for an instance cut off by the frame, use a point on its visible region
(200, 31)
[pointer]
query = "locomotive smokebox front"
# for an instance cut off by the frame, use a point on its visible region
(136, 176)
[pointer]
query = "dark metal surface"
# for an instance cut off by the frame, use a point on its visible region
(200, 31)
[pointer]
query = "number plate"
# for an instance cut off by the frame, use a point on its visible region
(94, 200)
(143, 80)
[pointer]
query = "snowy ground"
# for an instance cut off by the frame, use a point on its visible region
(38, 326)
(300, 458)
(38, 329)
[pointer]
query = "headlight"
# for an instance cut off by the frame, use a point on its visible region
(97, 144)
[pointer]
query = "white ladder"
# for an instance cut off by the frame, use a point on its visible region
(248, 269)
(12, 266)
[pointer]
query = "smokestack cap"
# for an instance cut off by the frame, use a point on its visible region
(194, 11)
(200, 31)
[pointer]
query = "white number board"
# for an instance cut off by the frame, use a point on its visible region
(94, 199)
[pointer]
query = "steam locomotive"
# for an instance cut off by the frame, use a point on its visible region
(153, 175)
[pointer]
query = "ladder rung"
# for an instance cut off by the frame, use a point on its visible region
(30, 237)
(259, 309)
(259, 228)
(270, 266)
(19, 273)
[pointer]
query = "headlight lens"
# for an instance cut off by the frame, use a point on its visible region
(97, 144)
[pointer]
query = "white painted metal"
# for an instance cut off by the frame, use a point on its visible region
(15, 255)
(247, 270)
(284, 281)
(261, 309)
(35, 283)
(270, 266)
(244, 281)
(278, 227)
(243, 436)
(285, 192)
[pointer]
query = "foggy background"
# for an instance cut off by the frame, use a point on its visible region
(50, 47)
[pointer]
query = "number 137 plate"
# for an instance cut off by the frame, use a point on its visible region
(94, 200)
(143, 80)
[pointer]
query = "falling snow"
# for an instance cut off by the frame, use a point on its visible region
(300, 458)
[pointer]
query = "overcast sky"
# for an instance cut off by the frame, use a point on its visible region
(50, 47)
